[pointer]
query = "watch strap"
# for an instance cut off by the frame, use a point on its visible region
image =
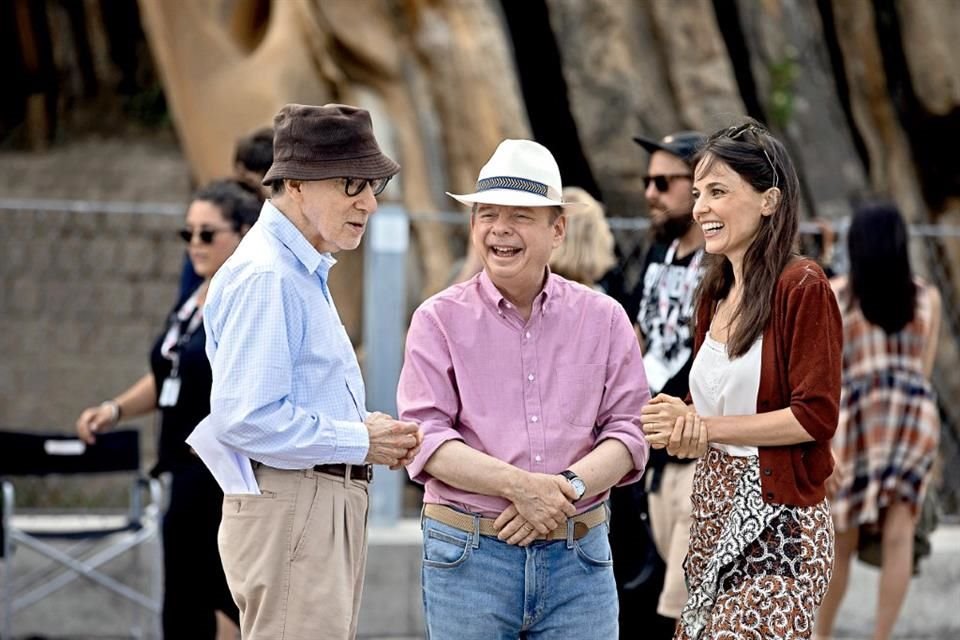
(575, 480)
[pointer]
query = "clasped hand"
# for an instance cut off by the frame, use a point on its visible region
(669, 423)
(540, 503)
(392, 442)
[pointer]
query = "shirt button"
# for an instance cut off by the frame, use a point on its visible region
(530, 377)
(537, 458)
(507, 305)
(534, 418)
(528, 334)
(768, 471)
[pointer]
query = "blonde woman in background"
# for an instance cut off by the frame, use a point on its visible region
(587, 250)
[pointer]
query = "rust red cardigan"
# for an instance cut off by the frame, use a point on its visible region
(800, 369)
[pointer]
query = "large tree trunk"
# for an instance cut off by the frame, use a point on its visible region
(931, 31)
(892, 169)
(795, 86)
(437, 76)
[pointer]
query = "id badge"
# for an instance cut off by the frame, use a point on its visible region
(169, 392)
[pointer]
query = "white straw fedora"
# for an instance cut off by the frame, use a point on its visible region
(520, 173)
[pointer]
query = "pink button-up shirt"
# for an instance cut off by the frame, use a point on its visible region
(539, 394)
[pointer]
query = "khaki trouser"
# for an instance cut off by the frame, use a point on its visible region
(295, 556)
(670, 520)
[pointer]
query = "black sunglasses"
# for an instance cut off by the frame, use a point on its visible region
(662, 182)
(354, 186)
(206, 235)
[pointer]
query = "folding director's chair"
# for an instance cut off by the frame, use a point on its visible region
(99, 538)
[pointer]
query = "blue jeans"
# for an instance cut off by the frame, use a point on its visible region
(479, 588)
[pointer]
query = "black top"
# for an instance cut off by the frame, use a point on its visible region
(193, 403)
(651, 317)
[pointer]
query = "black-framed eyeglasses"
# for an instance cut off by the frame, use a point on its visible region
(354, 186)
(662, 181)
(206, 235)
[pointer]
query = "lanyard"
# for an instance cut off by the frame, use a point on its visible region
(184, 323)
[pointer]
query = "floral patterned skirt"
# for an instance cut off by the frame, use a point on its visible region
(754, 570)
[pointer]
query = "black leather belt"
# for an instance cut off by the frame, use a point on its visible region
(357, 471)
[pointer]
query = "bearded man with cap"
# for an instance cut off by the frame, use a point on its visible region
(528, 389)
(671, 274)
(288, 437)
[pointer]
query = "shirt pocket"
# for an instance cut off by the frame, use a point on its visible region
(581, 388)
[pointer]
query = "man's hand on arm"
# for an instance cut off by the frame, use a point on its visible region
(660, 416)
(392, 443)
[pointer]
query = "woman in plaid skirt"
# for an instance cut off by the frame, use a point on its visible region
(765, 385)
(889, 426)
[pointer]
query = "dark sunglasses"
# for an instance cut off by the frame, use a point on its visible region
(662, 182)
(206, 235)
(354, 186)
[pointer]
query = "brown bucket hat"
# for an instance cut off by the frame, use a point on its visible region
(332, 141)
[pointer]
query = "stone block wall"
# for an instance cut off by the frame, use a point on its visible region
(82, 297)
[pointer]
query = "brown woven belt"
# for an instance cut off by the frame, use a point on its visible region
(582, 522)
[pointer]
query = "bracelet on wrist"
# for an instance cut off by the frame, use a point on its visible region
(114, 410)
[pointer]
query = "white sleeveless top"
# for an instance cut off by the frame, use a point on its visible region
(720, 386)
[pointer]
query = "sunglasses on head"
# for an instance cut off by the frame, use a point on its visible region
(662, 182)
(206, 235)
(354, 186)
(735, 132)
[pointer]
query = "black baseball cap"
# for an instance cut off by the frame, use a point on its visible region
(683, 144)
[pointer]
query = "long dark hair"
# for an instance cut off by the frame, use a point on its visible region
(881, 281)
(762, 161)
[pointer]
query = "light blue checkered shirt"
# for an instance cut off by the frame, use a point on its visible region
(287, 389)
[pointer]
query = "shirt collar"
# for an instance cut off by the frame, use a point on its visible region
(278, 225)
(493, 294)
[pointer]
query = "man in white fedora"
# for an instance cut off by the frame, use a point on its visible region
(527, 388)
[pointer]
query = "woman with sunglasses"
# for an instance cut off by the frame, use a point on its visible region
(765, 386)
(178, 386)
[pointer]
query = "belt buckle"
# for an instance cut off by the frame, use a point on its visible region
(369, 469)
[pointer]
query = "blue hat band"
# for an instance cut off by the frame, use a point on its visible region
(514, 184)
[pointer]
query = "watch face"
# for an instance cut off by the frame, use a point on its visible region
(579, 487)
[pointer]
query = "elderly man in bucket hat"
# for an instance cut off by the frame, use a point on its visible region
(288, 436)
(528, 390)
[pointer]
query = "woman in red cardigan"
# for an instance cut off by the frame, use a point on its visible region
(765, 387)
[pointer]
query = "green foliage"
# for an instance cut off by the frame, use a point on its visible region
(148, 107)
(783, 74)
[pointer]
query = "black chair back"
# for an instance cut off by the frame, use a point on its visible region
(38, 454)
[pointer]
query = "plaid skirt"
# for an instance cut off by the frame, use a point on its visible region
(754, 570)
(885, 445)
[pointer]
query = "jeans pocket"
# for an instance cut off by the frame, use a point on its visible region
(442, 550)
(594, 548)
